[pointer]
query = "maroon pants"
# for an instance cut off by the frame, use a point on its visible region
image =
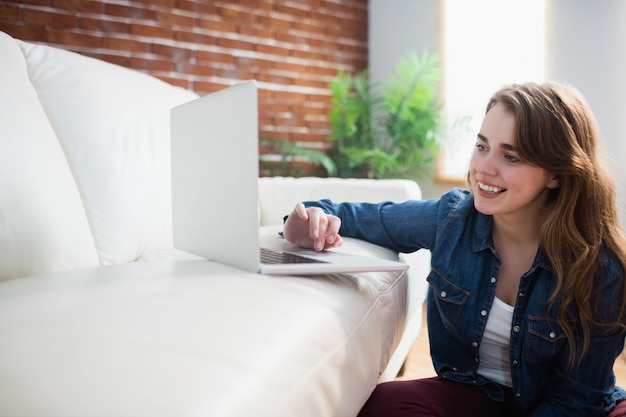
(438, 397)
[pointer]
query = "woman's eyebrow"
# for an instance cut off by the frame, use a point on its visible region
(504, 146)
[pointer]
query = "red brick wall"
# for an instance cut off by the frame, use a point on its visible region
(291, 47)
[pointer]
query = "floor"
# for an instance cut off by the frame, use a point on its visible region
(418, 364)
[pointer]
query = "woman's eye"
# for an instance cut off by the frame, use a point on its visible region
(480, 147)
(511, 158)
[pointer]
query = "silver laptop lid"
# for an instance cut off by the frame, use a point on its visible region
(214, 145)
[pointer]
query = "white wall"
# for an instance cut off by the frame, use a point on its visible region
(586, 43)
(397, 27)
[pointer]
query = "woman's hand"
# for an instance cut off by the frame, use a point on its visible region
(312, 228)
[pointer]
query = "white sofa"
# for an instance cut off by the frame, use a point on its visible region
(101, 316)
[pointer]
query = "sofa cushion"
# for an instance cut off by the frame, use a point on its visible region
(196, 338)
(113, 125)
(43, 226)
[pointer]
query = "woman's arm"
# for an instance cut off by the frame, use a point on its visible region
(403, 227)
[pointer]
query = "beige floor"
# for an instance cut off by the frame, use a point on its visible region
(418, 363)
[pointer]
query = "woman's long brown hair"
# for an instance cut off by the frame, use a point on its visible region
(556, 130)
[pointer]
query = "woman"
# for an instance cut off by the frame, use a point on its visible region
(526, 308)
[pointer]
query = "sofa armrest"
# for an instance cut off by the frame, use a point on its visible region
(278, 195)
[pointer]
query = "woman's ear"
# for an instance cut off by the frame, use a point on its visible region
(553, 183)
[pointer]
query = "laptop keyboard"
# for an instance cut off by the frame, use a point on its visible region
(271, 256)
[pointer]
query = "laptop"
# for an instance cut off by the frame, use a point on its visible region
(215, 211)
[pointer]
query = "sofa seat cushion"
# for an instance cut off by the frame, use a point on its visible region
(195, 338)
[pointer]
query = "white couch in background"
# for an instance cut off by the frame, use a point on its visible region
(101, 316)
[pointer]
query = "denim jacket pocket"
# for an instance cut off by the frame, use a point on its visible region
(450, 297)
(544, 340)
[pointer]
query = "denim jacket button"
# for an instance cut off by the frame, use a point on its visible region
(443, 294)
(493, 280)
(483, 313)
(521, 294)
(516, 329)
(475, 344)
(515, 362)
(552, 335)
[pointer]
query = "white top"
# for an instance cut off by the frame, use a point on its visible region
(494, 349)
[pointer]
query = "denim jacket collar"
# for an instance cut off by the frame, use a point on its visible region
(483, 240)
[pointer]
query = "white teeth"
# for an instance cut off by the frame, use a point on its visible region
(490, 188)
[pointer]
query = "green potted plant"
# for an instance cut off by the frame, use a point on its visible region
(286, 158)
(387, 131)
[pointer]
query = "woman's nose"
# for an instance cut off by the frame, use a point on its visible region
(487, 165)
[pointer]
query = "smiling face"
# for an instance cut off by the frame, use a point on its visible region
(504, 185)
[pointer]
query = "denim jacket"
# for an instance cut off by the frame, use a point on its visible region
(462, 289)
